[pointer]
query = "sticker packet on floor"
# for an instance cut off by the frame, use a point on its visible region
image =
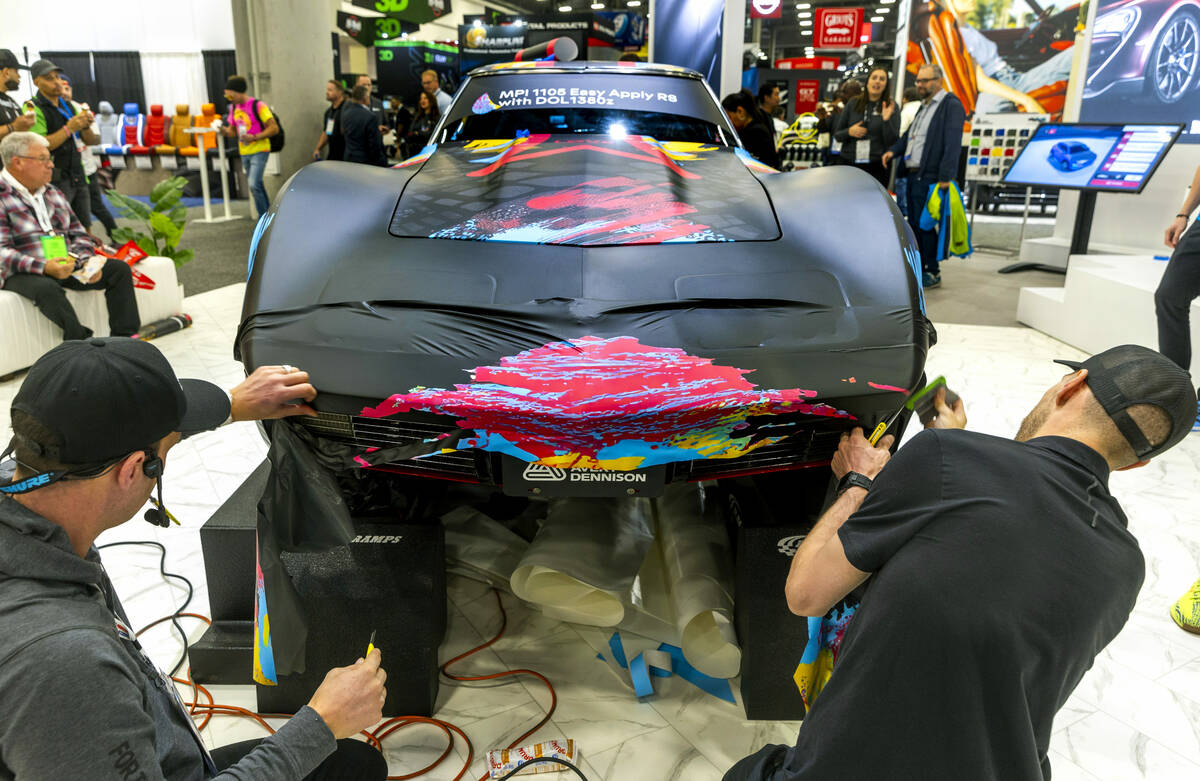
(505, 760)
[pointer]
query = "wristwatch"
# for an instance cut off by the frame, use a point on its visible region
(854, 479)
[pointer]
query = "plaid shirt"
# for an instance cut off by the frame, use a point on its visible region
(21, 233)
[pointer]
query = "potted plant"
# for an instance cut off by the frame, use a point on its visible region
(165, 218)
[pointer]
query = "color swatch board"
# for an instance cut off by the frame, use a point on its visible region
(994, 142)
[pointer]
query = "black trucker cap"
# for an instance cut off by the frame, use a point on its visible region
(43, 68)
(106, 398)
(1125, 376)
(9, 60)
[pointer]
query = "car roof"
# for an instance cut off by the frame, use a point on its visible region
(591, 66)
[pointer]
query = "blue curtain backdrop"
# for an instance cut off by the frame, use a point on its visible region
(688, 33)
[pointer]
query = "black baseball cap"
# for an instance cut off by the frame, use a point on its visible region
(9, 60)
(106, 398)
(1129, 375)
(43, 68)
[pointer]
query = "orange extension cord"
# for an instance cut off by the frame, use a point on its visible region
(387, 728)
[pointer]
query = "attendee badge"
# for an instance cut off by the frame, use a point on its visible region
(329, 126)
(54, 247)
(862, 151)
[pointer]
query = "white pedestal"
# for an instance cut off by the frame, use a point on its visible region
(1107, 300)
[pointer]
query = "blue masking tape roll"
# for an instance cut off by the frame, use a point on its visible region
(618, 649)
(717, 687)
(641, 677)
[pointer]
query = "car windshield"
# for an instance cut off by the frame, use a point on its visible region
(607, 121)
(509, 104)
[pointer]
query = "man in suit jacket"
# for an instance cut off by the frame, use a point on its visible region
(364, 144)
(929, 152)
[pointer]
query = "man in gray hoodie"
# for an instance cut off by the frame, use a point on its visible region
(92, 425)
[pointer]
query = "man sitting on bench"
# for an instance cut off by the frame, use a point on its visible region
(44, 248)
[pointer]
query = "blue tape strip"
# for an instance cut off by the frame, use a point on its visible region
(641, 677)
(618, 650)
(814, 641)
(717, 687)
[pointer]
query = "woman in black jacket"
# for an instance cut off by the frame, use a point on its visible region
(423, 123)
(757, 138)
(868, 125)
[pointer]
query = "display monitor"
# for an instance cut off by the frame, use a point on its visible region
(1103, 158)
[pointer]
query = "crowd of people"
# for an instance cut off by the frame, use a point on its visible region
(349, 134)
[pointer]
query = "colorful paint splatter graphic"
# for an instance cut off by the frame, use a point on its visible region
(608, 404)
(264, 656)
(608, 211)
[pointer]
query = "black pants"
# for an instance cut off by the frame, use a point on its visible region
(353, 761)
(1172, 301)
(98, 208)
(80, 199)
(759, 766)
(927, 241)
(50, 298)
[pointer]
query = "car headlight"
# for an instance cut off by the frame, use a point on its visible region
(1117, 22)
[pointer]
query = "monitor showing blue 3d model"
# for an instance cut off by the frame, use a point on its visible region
(1102, 158)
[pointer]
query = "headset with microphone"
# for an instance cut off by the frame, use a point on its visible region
(158, 515)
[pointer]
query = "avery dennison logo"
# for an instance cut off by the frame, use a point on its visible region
(378, 538)
(537, 473)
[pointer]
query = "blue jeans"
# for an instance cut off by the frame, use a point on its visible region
(255, 165)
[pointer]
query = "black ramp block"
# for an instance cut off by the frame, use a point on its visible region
(227, 542)
(390, 580)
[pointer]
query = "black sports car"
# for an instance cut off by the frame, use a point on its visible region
(585, 286)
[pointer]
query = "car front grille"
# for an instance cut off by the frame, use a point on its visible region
(399, 430)
(813, 446)
(806, 447)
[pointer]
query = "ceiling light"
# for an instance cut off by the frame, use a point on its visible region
(806, 23)
(804, 15)
(876, 18)
(806, 32)
(809, 5)
(883, 10)
(887, 2)
(564, 8)
(597, 6)
(634, 3)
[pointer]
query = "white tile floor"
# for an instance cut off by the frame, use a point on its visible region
(1135, 716)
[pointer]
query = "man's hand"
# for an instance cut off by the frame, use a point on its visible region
(24, 122)
(886, 159)
(350, 699)
(59, 268)
(1175, 232)
(78, 122)
(856, 454)
(947, 416)
(943, 185)
(858, 130)
(266, 394)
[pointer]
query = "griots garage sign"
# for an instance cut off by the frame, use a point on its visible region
(837, 28)
(417, 11)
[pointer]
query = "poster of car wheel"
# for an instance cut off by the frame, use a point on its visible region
(1144, 64)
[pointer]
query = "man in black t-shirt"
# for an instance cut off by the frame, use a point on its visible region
(331, 129)
(12, 118)
(998, 570)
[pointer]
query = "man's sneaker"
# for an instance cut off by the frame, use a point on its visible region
(930, 280)
(1186, 612)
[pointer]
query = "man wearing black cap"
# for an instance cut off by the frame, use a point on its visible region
(92, 425)
(12, 118)
(57, 120)
(998, 570)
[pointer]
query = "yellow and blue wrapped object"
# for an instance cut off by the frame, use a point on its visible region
(820, 654)
(946, 212)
